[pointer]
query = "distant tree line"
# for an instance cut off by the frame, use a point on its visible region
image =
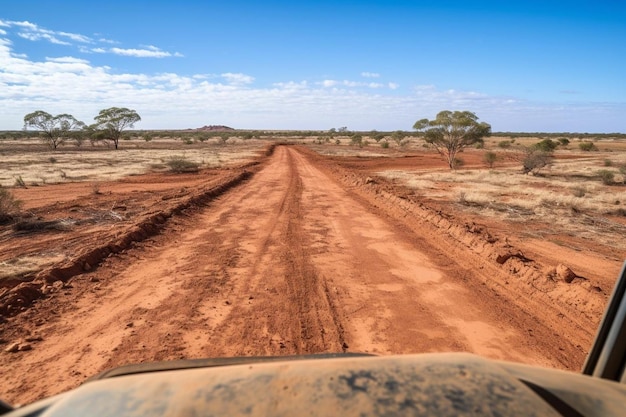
(556, 135)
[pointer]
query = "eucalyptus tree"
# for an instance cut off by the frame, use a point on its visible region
(450, 132)
(54, 130)
(111, 122)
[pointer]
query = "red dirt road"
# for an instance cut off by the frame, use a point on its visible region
(291, 261)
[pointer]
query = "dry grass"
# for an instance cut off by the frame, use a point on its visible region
(570, 196)
(38, 166)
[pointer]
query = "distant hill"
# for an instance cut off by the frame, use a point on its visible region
(212, 128)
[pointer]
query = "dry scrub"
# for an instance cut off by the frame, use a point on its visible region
(36, 165)
(570, 196)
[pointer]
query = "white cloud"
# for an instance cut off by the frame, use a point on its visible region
(237, 79)
(169, 101)
(34, 33)
(370, 74)
(350, 84)
(140, 53)
(393, 86)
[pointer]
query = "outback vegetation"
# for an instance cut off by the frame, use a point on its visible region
(229, 213)
(56, 130)
(450, 132)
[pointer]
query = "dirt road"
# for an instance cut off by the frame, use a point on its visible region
(289, 262)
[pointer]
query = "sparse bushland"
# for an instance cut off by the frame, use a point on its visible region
(180, 164)
(9, 206)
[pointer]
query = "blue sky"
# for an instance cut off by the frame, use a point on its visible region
(551, 66)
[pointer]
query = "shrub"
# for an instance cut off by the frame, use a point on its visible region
(19, 182)
(504, 144)
(607, 177)
(9, 205)
(546, 145)
(563, 141)
(608, 163)
(587, 146)
(579, 191)
(457, 163)
(384, 144)
(535, 160)
(378, 137)
(180, 164)
(490, 158)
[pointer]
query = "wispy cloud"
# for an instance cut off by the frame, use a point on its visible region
(237, 79)
(70, 84)
(148, 52)
(366, 74)
(356, 84)
(85, 44)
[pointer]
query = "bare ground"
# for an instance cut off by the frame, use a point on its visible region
(297, 254)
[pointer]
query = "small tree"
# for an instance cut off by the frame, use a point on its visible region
(450, 132)
(54, 129)
(113, 121)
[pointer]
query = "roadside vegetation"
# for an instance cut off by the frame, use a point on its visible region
(9, 206)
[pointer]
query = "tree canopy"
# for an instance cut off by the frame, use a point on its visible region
(54, 129)
(113, 121)
(450, 132)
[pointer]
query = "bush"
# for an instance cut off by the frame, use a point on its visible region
(607, 177)
(457, 163)
(357, 140)
(546, 145)
(504, 144)
(384, 145)
(19, 182)
(9, 205)
(490, 158)
(535, 160)
(180, 164)
(587, 146)
(563, 141)
(579, 191)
